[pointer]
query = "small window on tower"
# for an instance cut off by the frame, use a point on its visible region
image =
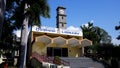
(62, 17)
(62, 25)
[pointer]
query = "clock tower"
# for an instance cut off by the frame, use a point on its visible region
(61, 18)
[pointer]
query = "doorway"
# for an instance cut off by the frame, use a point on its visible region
(55, 51)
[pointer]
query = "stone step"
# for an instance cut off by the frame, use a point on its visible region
(83, 62)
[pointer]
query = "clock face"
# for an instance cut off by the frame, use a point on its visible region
(61, 11)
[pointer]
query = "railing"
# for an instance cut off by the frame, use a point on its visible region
(43, 58)
(38, 57)
(65, 62)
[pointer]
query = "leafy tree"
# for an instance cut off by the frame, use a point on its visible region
(88, 32)
(7, 41)
(7, 35)
(27, 13)
(118, 28)
(95, 34)
(102, 35)
(107, 52)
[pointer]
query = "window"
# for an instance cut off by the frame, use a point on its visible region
(55, 51)
(62, 17)
(62, 24)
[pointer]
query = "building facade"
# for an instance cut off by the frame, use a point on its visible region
(58, 41)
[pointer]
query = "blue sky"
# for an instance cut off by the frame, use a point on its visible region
(104, 13)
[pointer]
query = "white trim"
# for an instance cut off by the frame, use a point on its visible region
(46, 29)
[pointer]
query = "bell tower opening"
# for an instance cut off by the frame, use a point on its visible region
(61, 18)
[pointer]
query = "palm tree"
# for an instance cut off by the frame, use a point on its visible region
(27, 14)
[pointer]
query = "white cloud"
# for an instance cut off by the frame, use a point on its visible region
(92, 21)
(73, 28)
(116, 42)
(86, 24)
(18, 33)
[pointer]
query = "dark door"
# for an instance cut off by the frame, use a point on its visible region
(61, 52)
(57, 51)
(50, 51)
(64, 52)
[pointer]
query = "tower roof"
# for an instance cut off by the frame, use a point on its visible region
(60, 7)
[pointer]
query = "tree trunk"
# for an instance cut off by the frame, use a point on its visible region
(2, 10)
(29, 48)
(24, 36)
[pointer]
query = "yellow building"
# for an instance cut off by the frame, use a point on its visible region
(58, 41)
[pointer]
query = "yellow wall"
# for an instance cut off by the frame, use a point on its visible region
(52, 45)
(73, 52)
(41, 49)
